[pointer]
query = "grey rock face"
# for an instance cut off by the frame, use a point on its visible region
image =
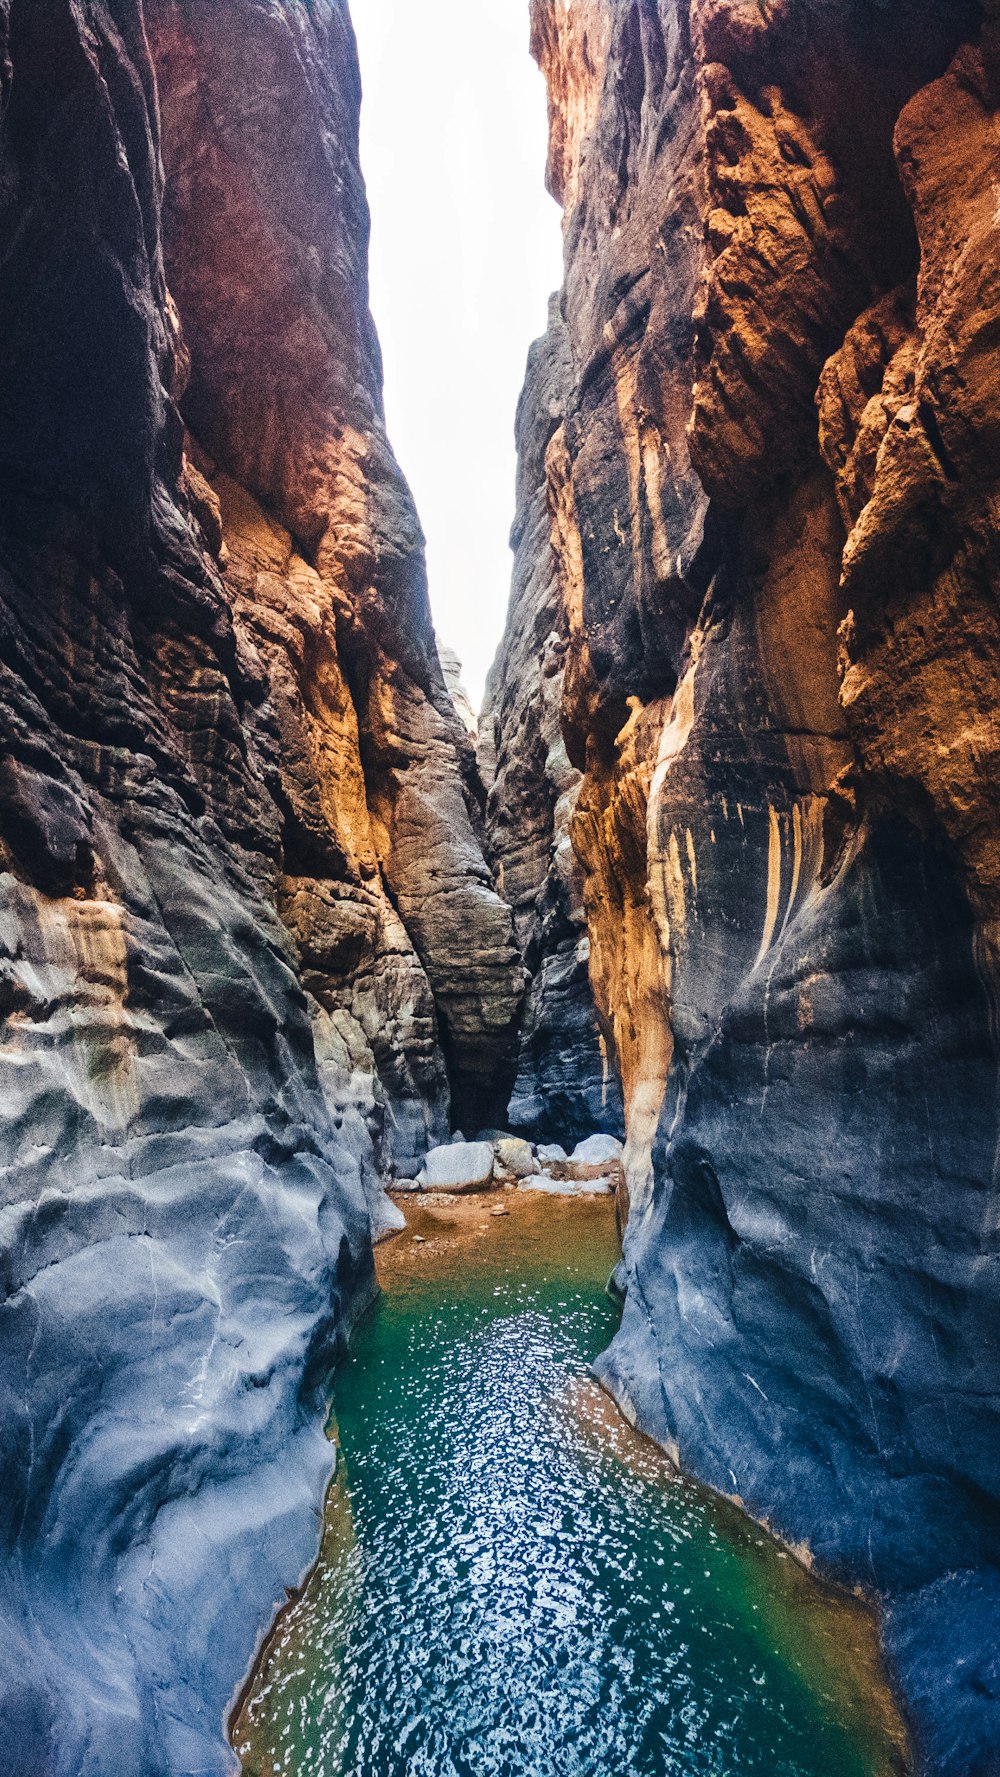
(778, 683)
(798, 1266)
(218, 1031)
(451, 667)
(567, 1080)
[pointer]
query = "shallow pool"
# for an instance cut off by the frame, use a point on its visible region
(513, 1583)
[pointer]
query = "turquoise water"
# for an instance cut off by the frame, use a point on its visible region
(512, 1583)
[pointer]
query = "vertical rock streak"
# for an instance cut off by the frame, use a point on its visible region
(769, 472)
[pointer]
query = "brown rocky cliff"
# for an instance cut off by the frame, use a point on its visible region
(770, 520)
(266, 259)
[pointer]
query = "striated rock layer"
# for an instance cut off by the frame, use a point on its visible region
(249, 946)
(769, 486)
(567, 1081)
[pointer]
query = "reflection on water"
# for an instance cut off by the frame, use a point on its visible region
(512, 1583)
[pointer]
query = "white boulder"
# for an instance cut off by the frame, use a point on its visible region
(597, 1150)
(461, 1166)
(550, 1153)
(599, 1155)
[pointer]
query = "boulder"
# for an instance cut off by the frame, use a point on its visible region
(599, 1155)
(597, 1150)
(515, 1156)
(461, 1166)
(551, 1153)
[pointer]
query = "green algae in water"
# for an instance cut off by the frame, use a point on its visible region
(514, 1584)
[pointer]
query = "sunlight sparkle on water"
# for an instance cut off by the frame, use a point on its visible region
(513, 1584)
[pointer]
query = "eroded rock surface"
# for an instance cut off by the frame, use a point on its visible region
(265, 241)
(249, 946)
(763, 538)
(567, 1079)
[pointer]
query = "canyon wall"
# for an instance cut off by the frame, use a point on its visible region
(756, 558)
(567, 1083)
(250, 951)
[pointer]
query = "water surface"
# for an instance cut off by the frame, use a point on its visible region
(515, 1584)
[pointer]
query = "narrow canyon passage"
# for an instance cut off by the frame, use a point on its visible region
(512, 1582)
(712, 882)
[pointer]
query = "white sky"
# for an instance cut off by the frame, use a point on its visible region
(465, 249)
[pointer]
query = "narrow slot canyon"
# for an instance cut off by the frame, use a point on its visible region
(499, 1208)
